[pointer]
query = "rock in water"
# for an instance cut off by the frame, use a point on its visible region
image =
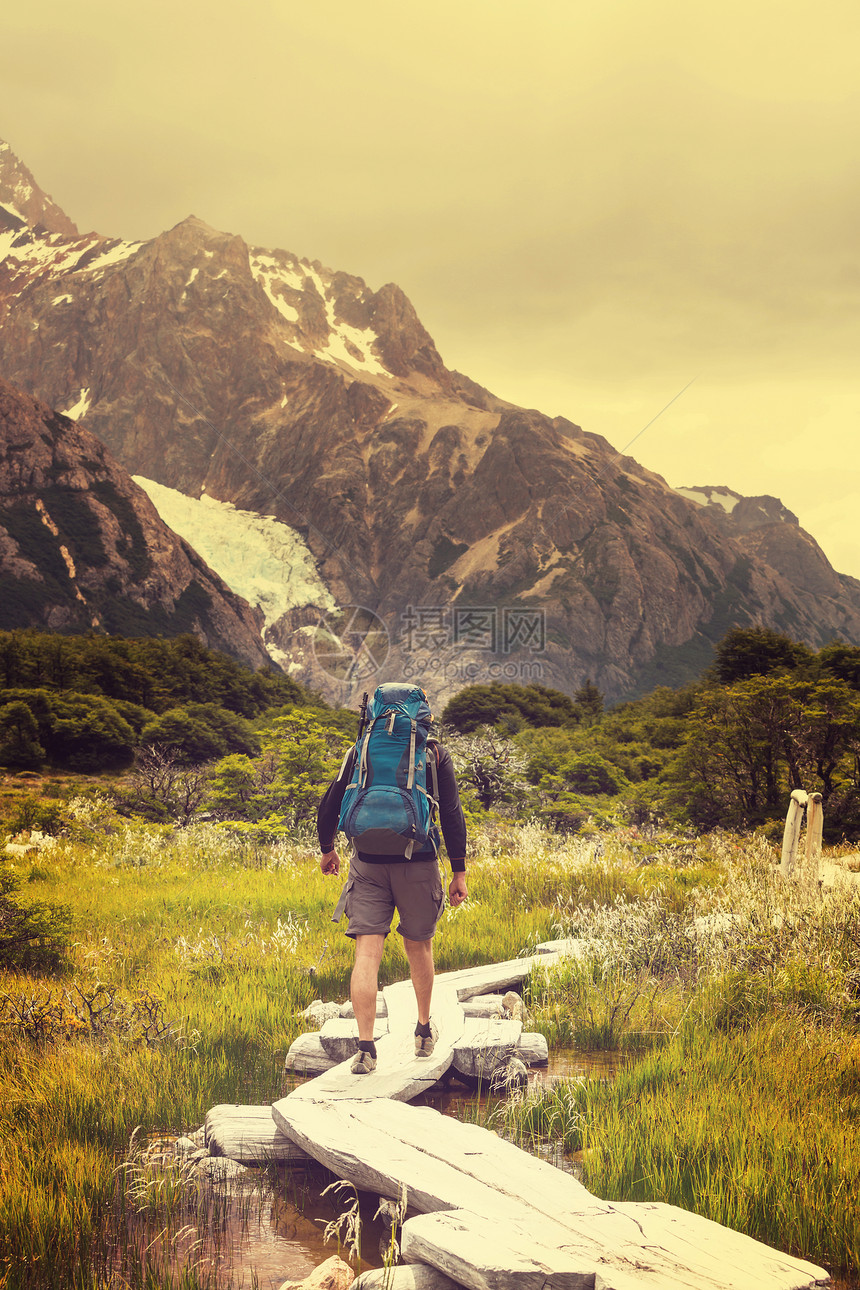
(334, 1274)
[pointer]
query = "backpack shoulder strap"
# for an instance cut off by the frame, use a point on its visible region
(434, 768)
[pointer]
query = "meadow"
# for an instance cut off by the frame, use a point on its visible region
(733, 995)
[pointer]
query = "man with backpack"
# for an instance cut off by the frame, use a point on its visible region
(390, 789)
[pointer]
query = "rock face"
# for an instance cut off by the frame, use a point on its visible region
(21, 198)
(492, 541)
(82, 547)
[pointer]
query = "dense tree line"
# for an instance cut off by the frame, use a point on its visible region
(770, 715)
(153, 673)
(86, 703)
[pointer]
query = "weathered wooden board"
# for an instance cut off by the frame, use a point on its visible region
(347, 1010)
(565, 946)
(493, 977)
(482, 1005)
(446, 1165)
(482, 1255)
(399, 1074)
(248, 1134)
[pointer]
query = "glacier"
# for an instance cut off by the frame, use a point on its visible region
(259, 557)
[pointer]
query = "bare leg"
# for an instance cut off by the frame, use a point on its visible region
(363, 983)
(420, 956)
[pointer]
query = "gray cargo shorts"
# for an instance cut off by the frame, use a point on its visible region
(375, 891)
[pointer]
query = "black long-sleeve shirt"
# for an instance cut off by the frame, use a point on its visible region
(450, 812)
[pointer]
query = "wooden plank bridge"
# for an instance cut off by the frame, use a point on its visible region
(491, 1216)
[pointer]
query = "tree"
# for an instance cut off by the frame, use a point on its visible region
(165, 788)
(757, 651)
(752, 743)
(87, 733)
(592, 775)
(509, 706)
(200, 732)
(589, 701)
(19, 737)
(34, 936)
(299, 756)
(492, 764)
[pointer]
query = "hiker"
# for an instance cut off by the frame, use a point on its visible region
(385, 799)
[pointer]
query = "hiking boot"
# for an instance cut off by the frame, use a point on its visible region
(362, 1063)
(424, 1046)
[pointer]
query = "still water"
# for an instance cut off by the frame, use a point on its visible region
(274, 1229)
(274, 1232)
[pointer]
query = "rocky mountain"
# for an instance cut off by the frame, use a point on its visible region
(22, 200)
(82, 548)
(462, 537)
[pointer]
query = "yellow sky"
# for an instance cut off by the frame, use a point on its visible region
(589, 204)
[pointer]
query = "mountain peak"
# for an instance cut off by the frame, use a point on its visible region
(23, 197)
(747, 512)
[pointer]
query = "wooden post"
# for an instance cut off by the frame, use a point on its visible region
(791, 836)
(814, 829)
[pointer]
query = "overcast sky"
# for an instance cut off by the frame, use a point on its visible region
(589, 204)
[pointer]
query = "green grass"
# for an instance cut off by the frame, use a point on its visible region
(735, 997)
(758, 1130)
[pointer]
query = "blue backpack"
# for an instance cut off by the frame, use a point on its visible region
(388, 809)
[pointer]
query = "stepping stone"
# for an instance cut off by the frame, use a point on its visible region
(248, 1134)
(339, 1037)
(486, 1046)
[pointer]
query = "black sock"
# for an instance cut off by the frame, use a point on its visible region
(367, 1046)
(422, 1030)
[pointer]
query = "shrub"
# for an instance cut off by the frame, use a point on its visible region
(33, 937)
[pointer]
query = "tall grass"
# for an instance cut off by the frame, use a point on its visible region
(758, 1130)
(693, 955)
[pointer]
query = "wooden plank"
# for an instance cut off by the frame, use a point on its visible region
(480, 1254)
(248, 1134)
(347, 1010)
(566, 946)
(446, 1165)
(482, 1005)
(399, 1074)
(493, 977)
(718, 1255)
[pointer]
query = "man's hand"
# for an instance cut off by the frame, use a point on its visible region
(330, 862)
(457, 892)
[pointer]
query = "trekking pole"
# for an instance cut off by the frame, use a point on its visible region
(362, 716)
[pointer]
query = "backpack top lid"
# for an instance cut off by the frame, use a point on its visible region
(399, 696)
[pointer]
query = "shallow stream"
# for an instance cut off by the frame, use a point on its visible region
(272, 1230)
(267, 1235)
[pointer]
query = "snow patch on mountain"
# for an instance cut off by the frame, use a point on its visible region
(48, 255)
(258, 557)
(346, 344)
(80, 407)
(276, 277)
(281, 276)
(710, 496)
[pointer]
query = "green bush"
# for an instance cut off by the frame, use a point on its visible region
(33, 937)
